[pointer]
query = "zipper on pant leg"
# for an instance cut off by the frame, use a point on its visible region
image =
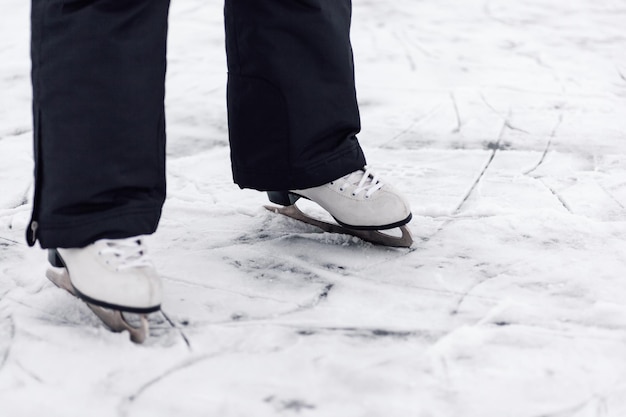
(39, 10)
(33, 226)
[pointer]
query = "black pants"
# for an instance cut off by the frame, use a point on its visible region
(98, 82)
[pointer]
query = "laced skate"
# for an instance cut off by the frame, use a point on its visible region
(361, 204)
(114, 277)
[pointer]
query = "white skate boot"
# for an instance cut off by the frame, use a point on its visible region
(361, 204)
(112, 276)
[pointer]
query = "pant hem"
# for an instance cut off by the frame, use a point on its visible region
(301, 178)
(117, 225)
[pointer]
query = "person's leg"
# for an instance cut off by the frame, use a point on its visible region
(293, 113)
(98, 70)
(292, 107)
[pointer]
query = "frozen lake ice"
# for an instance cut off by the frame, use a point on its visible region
(503, 122)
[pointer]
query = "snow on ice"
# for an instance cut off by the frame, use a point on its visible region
(503, 122)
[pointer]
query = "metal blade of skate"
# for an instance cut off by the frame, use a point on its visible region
(113, 319)
(372, 236)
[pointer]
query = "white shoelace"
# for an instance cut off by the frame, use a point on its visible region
(128, 253)
(363, 180)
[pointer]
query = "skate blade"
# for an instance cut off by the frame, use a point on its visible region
(405, 240)
(113, 319)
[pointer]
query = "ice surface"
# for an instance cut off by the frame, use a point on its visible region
(503, 122)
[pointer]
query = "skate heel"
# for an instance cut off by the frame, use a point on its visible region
(54, 259)
(284, 198)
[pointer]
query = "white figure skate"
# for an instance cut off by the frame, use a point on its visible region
(361, 204)
(113, 277)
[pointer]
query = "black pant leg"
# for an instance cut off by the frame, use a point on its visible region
(98, 72)
(292, 107)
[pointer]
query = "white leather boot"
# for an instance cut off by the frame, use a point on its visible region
(113, 273)
(359, 201)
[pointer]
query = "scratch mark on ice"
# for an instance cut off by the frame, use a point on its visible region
(220, 289)
(126, 403)
(175, 326)
(548, 145)
(489, 13)
(459, 124)
(575, 409)
(506, 118)
(494, 151)
(558, 196)
(611, 196)
(7, 351)
(10, 240)
(416, 121)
